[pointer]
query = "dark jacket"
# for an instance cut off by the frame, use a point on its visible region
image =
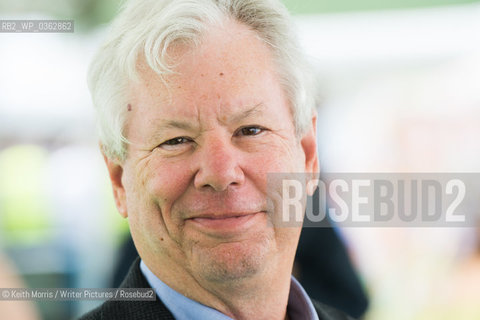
(156, 310)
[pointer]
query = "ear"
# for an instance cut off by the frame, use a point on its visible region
(309, 145)
(115, 171)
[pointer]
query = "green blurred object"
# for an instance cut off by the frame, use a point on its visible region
(24, 214)
(90, 13)
(327, 6)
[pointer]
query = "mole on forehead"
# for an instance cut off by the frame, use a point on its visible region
(129, 107)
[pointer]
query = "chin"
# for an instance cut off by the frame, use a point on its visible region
(231, 261)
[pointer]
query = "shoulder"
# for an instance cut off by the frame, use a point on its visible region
(127, 310)
(328, 313)
(92, 315)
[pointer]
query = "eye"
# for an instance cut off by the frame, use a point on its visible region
(249, 131)
(175, 143)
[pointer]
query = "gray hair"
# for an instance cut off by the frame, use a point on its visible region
(147, 28)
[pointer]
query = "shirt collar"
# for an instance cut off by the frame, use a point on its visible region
(300, 307)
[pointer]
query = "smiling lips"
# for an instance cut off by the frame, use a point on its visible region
(226, 222)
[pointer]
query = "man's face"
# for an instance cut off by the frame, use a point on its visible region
(194, 183)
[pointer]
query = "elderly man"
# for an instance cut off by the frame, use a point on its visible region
(198, 100)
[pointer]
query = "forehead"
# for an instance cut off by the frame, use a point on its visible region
(230, 69)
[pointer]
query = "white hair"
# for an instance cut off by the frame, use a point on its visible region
(147, 28)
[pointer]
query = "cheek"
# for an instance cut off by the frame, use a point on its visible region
(280, 157)
(284, 163)
(167, 182)
(155, 188)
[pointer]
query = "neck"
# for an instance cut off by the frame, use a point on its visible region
(261, 296)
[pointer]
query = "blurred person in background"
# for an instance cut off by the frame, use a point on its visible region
(18, 310)
(197, 102)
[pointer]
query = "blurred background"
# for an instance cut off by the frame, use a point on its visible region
(400, 81)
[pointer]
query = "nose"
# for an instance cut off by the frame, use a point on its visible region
(218, 166)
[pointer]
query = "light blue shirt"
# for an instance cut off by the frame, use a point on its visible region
(300, 307)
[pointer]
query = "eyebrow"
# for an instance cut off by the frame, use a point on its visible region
(174, 124)
(237, 117)
(255, 110)
(168, 124)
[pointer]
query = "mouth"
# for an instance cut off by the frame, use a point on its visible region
(227, 223)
